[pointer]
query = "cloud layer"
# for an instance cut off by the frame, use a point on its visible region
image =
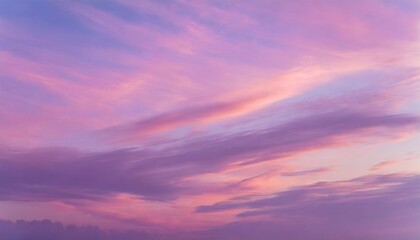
(62, 173)
(370, 207)
(209, 119)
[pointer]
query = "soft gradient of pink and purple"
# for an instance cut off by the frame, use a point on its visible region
(210, 120)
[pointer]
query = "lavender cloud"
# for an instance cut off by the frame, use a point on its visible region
(157, 174)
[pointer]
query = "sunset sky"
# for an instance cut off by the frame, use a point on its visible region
(210, 120)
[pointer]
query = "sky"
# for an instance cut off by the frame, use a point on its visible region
(209, 120)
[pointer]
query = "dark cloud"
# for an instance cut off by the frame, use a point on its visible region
(65, 174)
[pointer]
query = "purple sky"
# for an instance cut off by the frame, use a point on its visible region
(210, 120)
